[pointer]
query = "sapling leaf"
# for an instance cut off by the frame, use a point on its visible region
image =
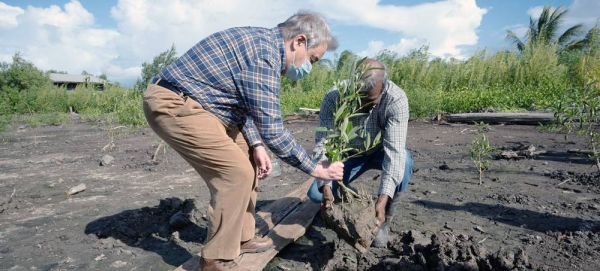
(323, 129)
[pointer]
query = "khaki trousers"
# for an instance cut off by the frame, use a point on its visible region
(222, 158)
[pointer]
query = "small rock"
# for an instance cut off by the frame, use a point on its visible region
(76, 189)
(419, 238)
(479, 229)
(444, 167)
(281, 267)
(106, 160)
(118, 264)
(125, 251)
(100, 258)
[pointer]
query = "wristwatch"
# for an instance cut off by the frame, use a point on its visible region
(259, 144)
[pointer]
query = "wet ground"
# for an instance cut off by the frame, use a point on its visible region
(136, 213)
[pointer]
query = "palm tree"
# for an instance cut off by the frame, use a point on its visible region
(544, 31)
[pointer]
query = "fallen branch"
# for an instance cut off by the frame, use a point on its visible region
(12, 195)
(309, 110)
(565, 181)
(581, 151)
(161, 144)
(512, 118)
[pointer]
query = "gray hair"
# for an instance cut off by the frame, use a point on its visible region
(375, 71)
(311, 24)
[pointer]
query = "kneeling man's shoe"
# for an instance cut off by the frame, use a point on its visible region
(381, 239)
(256, 245)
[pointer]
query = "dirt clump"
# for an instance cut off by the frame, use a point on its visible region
(353, 221)
(440, 251)
(591, 180)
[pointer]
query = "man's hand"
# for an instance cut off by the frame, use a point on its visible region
(262, 161)
(327, 197)
(380, 208)
(328, 171)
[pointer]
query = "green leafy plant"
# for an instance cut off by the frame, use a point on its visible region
(481, 151)
(337, 143)
(579, 113)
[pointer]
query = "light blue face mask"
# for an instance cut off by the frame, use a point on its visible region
(296, 73)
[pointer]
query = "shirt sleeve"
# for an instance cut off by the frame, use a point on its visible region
(394, 142)
(260, 89)
(250, 132)
(325, 120)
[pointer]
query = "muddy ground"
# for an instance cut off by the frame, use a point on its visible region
(537, 213)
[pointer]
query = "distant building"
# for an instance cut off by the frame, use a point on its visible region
(71, 81)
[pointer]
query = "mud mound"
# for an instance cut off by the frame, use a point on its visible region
(354, 222)
(592, 180)
(509, 198)
(578, 245)
(440, 251)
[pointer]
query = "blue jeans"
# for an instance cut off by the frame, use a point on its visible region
(356, 166)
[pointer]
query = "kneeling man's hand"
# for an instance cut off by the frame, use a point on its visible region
(380, 209)
(327, 197)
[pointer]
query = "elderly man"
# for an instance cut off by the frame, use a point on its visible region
(387, 108)
(218, 106)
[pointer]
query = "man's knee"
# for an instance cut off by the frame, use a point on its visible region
(313, 192)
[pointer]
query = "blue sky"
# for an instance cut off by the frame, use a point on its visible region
(114, 37)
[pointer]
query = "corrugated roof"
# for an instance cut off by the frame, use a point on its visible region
(73, 78)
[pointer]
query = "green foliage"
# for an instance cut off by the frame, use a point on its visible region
(21, 75)
(481, 151)
(36, 120)
(5, 122)
(337, 143)
(578, 111)
(151, 69)
(26, 90)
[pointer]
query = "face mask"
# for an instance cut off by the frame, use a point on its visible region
(295, 73)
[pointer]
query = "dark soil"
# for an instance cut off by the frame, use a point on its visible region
(533, 213)
(353, 221)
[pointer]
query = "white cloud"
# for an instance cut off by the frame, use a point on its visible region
(586, 12)
(445, 25)
(9, 14)
(401, 48)
(153, 25)
(60, 39)
(68, 38)
(535, 12)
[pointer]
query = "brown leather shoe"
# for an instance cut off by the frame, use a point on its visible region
(219, 265)
(256, 245)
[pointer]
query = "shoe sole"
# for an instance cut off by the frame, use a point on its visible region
(258, 250)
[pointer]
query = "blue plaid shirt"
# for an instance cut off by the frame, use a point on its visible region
(235, 74)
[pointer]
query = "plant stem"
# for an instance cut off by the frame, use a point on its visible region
(347, 190)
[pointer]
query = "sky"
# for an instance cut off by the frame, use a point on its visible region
(114, 37)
